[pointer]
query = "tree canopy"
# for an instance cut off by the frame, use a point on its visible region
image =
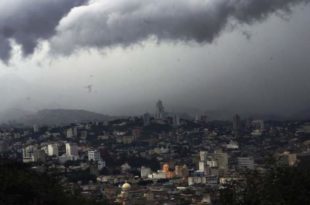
(278, 186)
(22, 186)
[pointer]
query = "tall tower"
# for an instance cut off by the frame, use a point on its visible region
(160, 110)
(52, 150)
(72, 150)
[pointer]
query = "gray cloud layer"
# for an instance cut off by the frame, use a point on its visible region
(28, 22)
(103, 23)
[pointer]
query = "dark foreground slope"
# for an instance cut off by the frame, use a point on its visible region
(278, 186)
(21, 186)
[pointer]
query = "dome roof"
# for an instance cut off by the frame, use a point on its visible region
(126, 187)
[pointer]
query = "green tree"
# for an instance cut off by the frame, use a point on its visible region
(279, 186)
(22, 186)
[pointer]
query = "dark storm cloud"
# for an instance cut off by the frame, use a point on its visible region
(72, 25)
(28, 21)
(123, 23)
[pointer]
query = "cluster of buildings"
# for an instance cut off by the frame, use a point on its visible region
(157, 159)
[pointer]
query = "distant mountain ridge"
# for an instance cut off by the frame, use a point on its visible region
(67, 116)
(58, 117)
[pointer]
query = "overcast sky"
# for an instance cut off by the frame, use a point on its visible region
(121, 56)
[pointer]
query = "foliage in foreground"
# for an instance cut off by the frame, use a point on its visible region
(279, 186)
(21, 186)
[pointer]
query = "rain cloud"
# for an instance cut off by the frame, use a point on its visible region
(73, 25)
(28, 22)
(103, 23)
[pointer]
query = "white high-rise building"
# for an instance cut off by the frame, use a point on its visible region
(72, 150)
(52, 150)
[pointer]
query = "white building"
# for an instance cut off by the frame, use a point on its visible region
(94, 155)
(28, 154)
(72, 132)
(212, 163)
(232, 145)
(32, 154)
(221, 159)
(145, 172)
(72, 150)
(158, 175)
(52, 150)
(203, 166)
(196, 180)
